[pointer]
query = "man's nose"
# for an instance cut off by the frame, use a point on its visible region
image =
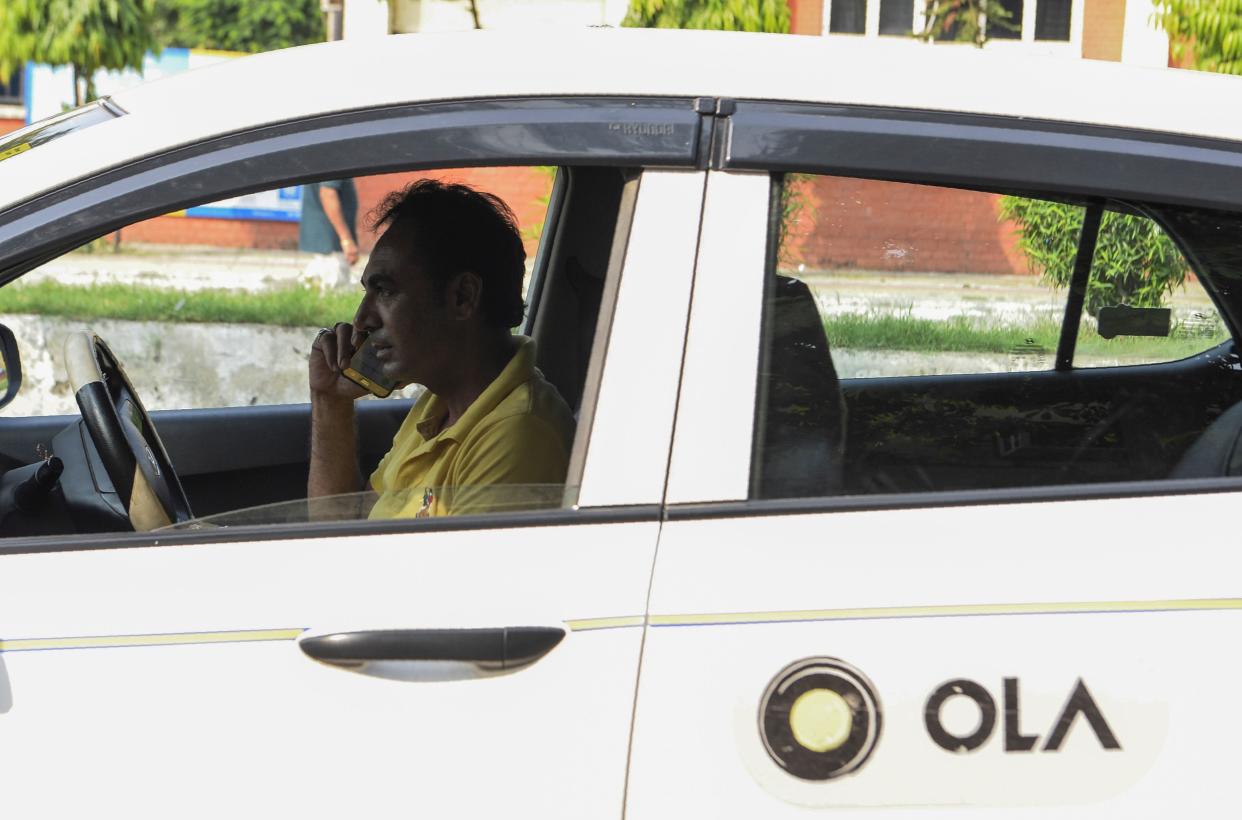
(365, 318)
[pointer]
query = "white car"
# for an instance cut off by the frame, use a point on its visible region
(796, 571)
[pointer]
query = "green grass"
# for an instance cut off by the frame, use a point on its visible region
(287, 307)
(887, 331)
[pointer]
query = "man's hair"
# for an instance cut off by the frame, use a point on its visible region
(454, 228)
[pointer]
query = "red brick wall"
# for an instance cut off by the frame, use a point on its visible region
(524, 189)
(224, 233)
(886, 226)
(7, 125)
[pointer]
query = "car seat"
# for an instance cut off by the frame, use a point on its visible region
(1217, 451)
(801, 420)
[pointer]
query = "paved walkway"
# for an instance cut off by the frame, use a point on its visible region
(184, 268)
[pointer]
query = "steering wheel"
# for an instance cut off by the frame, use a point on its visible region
(124, 438)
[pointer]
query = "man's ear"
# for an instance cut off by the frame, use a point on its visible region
(464, 294)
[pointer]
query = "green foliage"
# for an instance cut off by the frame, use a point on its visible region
(726, 15)
(795, 198)
(88, 35)
(963, 21)
(1135, 262)
(1211, 29)
(239, 25)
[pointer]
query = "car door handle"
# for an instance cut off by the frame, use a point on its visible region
(507, 647)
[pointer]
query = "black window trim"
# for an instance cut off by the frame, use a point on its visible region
(620, 131)
(985, 151)
(755, 508)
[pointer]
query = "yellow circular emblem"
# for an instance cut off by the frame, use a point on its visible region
(821, 720)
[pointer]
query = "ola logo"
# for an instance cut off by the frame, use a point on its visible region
(819, 719)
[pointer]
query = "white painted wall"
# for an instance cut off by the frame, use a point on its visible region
(1143, 42)
(366, 18)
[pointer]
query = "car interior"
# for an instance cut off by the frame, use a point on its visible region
(818, 435)
(265, 462)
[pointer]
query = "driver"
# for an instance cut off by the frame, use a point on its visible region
(442, 288)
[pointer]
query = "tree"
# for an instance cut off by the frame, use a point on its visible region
(87, 35)
(965, 21)
(1135, 262)
(239, 25)
(1210, 29)
(728, 15)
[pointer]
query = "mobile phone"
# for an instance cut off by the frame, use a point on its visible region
(364, 371)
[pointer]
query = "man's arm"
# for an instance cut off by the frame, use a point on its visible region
(334, 441)
(331, 202)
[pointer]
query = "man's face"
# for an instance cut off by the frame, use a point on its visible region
(409, 323)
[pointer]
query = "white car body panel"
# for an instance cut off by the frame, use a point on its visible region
(1047, 594)
(723, 340)
(638, 392)
(252, 727)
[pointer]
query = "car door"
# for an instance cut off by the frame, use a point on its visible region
(896, 653)
(446, 666)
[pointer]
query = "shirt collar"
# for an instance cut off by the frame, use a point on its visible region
(519, 370)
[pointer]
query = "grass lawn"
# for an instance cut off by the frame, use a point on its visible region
(884, 331)
(287, 307)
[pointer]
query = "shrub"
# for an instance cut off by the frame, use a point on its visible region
(1135, 262)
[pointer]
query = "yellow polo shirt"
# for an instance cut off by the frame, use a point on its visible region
(517, 432)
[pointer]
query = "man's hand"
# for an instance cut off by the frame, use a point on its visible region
(330, 354)
(334, 442)
(331, 202)
(350, 248)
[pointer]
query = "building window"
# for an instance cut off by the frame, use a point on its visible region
(1012, 30)
(848, 17)
(896, 17)
(11, 90)
(1052, 20)
(900, 18)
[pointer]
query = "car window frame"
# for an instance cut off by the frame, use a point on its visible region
(986, 153)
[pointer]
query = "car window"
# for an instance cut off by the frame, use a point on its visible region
(918, 280)
(922, 339)
(207, 315)
(216, 305)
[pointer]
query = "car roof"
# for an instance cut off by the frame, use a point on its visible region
(294, 83)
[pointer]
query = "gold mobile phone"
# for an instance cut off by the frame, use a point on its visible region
(364, 371)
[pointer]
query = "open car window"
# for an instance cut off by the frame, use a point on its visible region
(211, 311)
(215, 305)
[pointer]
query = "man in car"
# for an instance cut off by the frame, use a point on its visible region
(442, 288)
